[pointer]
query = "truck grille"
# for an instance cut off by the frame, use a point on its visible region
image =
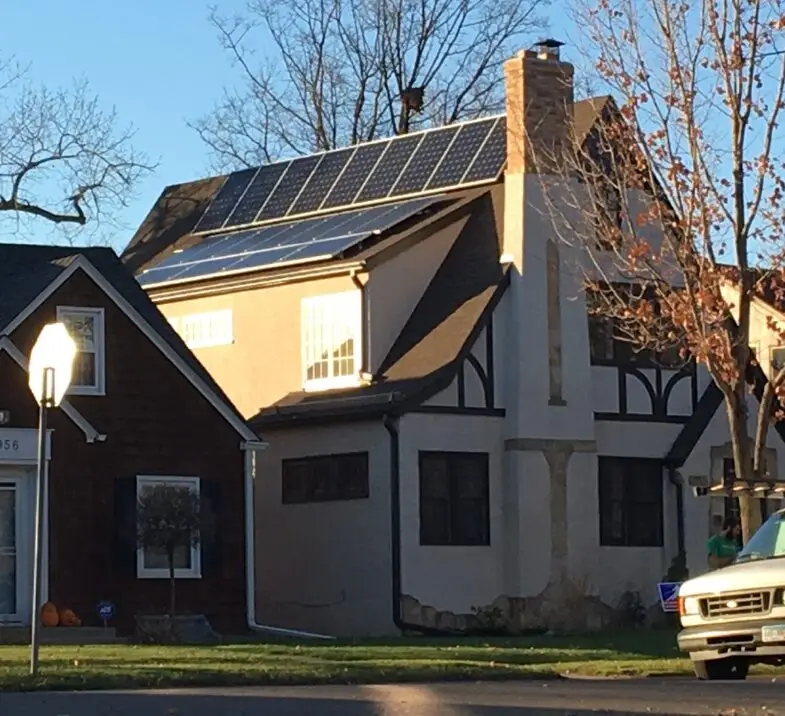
(733, 605)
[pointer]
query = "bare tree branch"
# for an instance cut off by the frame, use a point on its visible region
(62, 158)
(340, 67)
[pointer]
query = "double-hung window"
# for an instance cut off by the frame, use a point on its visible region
(86, 327)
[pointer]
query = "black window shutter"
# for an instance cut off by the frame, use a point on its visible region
(210, 491)
(125, 525)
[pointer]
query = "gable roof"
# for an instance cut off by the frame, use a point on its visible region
(438, 335)
(30, 273)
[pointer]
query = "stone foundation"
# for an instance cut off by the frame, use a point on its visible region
(560, 607)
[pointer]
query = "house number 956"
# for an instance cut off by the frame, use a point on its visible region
(9, 445)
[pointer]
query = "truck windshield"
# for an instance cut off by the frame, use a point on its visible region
(768, 542)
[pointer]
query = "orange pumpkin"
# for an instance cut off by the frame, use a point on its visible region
(49, 615)
(69, 619)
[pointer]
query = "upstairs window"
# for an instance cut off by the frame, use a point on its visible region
(86, 327)
(332, 340)
(205, 330)
(607, 348)
(777, 360)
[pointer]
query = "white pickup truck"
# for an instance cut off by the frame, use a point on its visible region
(735, 616)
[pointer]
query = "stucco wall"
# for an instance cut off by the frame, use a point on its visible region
(450, 578)
(264, 362)
(325, 566)
(396, 286)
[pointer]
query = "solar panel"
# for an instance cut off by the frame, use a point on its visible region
(461, 154)
(257, 193)
(222, 205)
(356, 172)
(491, 157)
(288, 188)
(321, 181)
(427, 157)
(309, 239)
(433, 160)
(398, 153)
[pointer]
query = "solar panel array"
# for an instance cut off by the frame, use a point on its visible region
(314, 239)
(411, 164)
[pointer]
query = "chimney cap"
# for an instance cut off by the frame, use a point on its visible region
(550, 43)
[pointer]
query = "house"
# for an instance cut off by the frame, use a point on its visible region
(141, 410)
(448, 434)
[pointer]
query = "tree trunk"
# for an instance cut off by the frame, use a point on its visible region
(749, 506)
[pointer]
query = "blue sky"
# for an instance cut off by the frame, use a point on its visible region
(157, 61)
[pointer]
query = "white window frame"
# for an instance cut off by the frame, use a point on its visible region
(216, 328)
(98, 315)
(773, 370)
(343, 303)
(195, 572)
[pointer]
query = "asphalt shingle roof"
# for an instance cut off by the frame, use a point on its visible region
(26, 270)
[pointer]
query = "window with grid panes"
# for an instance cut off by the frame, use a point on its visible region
(332, 340)
(325, 478)
(454, 498)
(630, 497)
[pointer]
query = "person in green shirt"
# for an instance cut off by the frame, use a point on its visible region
(723, 546)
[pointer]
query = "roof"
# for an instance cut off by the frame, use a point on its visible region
(179, 207)
(27, 271)
(440, 332)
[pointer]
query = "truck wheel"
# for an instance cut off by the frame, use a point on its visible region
(731, 669)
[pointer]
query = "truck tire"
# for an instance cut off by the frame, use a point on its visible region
(730, 669)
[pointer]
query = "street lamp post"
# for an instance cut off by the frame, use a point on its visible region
(51, 363)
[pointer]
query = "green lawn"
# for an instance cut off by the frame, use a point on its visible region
(639, 653)
(103, 667)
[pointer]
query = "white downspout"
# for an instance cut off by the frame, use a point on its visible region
(250, 543)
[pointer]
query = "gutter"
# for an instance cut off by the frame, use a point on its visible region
(251, 450)
(677, 481)
(392, 426)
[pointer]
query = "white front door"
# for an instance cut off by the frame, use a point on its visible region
(10, 578)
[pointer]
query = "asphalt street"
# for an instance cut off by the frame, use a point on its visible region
(553, 698)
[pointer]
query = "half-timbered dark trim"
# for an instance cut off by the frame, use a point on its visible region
(454, 410)
(460, 380)
(659, 391)
(489, 361)
(642, 418)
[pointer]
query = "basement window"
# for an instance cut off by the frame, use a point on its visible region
(332, 340)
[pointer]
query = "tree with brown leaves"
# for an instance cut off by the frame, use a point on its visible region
(348, 71)
(676, 197)
(63, 159)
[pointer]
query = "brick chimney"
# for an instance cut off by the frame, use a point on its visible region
(539, 94)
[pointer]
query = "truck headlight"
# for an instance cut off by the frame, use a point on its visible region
(689, 606)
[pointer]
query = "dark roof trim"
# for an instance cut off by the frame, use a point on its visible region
(395, 402)
(692, 432)
(708, 404)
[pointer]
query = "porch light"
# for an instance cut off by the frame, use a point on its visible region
(51, 364)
